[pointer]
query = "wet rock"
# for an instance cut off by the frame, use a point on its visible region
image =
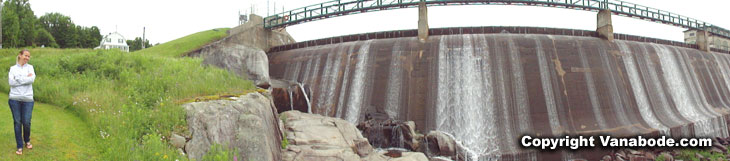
(363, 147)
(720, 140)
(315, 137)
(650, 155)
(289, 96)
(440, 144)
(440, 159)
(410, 156)
(717, 150)
(390, 133)
(719, 146)
(634, 157)
(606, 158)
(248, 124)
(177, 141)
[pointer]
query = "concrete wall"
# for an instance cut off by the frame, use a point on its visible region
(488, 89)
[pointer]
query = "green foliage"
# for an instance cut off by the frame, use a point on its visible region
(691, 154)
(11, 27)
(284, 140)
(44, 38)
(179, 47)
(125, 95)
(136, 44)
(21, 28)
(660, 158)
(219, 152)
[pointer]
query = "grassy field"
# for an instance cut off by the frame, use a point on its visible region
(56, 135)
(128, 99)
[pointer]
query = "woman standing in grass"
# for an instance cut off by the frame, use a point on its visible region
(21, 78)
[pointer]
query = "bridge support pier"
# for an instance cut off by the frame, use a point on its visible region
(605, 27)
(703, 43)
(422, 21)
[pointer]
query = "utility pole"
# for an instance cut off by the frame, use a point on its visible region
(1, 24)
(143, 38)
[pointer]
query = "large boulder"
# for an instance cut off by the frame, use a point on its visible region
(246, 61)
(440, 144)
(243, 50)
(316, 137)
(391, 133)
(248, 123)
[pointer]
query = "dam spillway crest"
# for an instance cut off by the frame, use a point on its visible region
(487, 90)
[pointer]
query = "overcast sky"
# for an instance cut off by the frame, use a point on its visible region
(167, 20)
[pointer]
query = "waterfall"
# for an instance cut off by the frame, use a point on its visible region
(487, 90)
(595, 104)
(548, 90)
(359, 84)
(461, 104)
(393, 88)
(641, 98)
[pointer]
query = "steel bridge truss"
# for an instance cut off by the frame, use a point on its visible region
(337, 8)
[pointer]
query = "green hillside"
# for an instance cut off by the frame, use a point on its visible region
(178, 47)
(129, 100)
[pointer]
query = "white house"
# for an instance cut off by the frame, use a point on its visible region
(113, 40)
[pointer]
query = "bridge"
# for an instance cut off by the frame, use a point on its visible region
(338, 8)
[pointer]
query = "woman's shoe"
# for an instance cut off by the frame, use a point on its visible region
(19, 152)
(28, 145)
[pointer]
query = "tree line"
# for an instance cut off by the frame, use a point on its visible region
(21, 28)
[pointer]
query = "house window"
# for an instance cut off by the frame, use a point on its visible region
(121, 41)
(691, 34)
(108, 40)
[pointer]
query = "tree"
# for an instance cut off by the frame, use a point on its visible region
(62, 28)
(11, 27)
(94, 36)
(45, 38)
(136, 44)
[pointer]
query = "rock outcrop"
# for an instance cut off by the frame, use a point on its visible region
(391, 133)
(248, 124)
(243, 60)
(243, 50)
(316, 137)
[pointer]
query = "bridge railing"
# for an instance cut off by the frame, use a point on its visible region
(336, 8)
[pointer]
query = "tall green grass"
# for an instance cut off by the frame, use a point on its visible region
(178, 47)
(129, 98)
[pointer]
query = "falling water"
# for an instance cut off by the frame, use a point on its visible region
(392, 106)
(518, 86)
(461, 98)
(639, 93)
(359, 80)
(617, 102)
(344, 90)
(329, 82)
(476, 88)
(309, 105)
(591, 89)
(548, 90)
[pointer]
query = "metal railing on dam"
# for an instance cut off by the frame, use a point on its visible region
(337, 8)
(477, 30)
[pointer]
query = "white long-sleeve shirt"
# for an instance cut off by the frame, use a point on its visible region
(21, 85)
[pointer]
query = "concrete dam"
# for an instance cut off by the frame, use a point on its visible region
(488, 90)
